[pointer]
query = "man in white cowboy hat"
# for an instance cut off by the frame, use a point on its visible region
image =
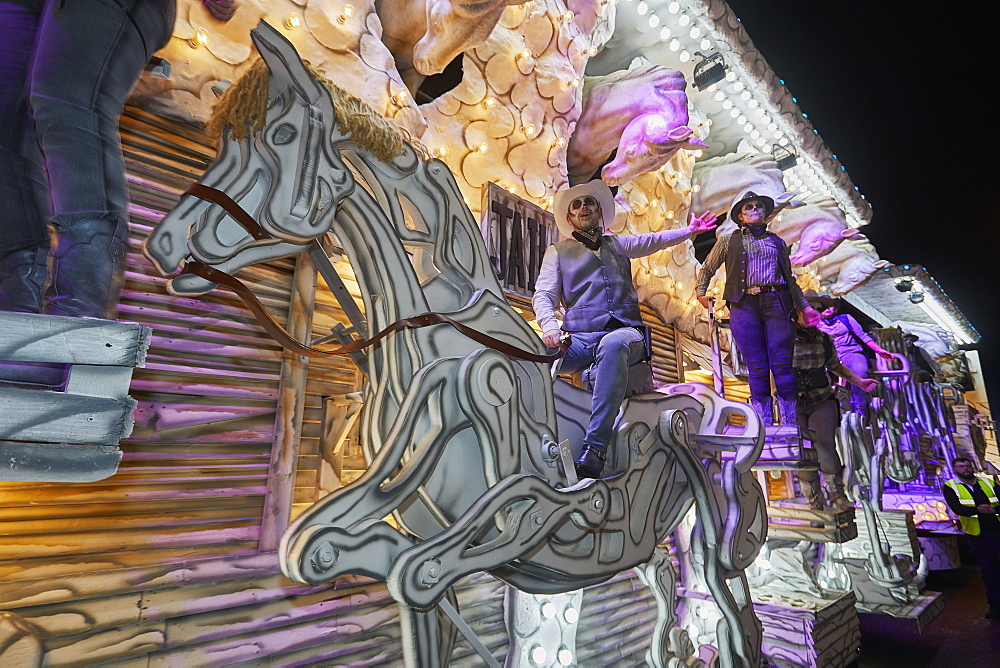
(589, 272)
(763, 297)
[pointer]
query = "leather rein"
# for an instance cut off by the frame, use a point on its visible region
(286, 340)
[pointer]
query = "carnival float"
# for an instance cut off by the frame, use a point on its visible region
(325, 431)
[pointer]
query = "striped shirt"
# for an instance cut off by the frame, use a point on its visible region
(763, 258)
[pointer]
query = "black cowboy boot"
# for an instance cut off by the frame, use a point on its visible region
(88, 268)
(788, 411)
(763, 408)
(22, 279)
(22, 284)
(590, 463)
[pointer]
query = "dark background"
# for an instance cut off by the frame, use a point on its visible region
(902, 94)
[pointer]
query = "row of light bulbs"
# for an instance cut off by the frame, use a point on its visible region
(202, 37)
(743, 106)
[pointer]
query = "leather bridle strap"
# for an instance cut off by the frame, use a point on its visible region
(239, 214)
(288, 341)
(279, 333)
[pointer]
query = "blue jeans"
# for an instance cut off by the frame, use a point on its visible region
(764, 331)
(66, 70)
(613, 353)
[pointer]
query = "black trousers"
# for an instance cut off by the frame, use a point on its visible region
(986, 548)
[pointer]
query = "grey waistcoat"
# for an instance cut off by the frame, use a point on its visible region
(596, 288)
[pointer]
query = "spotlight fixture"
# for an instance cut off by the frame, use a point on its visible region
(785, 157)
(916, 297)
(904, 284)
(709, 70)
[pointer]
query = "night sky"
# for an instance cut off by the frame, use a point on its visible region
(899, 92)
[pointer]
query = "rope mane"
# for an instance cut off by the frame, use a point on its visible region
(243, 109)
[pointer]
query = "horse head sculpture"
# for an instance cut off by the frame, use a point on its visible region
(461, 437)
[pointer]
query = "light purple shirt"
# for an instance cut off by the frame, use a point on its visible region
(548, 295)
(840, 329)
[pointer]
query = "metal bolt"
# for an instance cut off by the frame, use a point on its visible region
(430, 572)
(325, 555)
(598, 502)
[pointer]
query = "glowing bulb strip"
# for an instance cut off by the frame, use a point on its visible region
(750, 97)
(940, 315)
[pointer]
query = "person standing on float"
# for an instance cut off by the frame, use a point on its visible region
(815, 354)
(66, 70)
(851, 342)
(590, 273)
(976, 501)
(763, 299)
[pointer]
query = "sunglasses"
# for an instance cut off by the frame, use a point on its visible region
(583, 201)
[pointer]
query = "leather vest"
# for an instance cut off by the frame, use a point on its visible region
(736, 271)
(596, 287)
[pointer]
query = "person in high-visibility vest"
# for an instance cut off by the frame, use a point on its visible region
(976, 501)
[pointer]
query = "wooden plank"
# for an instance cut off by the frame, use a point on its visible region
(34, 513)
(228, 598)
(30, 337)
(207, 385)
(147, 491)
(57, 462)
(140, 448)
(30, 581)
(60, 417)
(149, 521)
(91, 649)
(84, 616)
(113, 564)
(132, 538)
(213, 427)
(291, 401)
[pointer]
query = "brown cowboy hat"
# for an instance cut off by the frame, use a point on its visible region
(749, 196)
(819, 301)
(597, 189)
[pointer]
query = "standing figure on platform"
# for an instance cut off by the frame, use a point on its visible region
(976, 501)
(66, 70)
(763, 298)
(590, 273)
(925, 367)
(851, 341)
(818, 410)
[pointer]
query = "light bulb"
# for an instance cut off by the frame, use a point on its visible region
(200, 37)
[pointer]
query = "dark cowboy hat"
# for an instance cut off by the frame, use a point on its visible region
(751, 195)
(819, 301)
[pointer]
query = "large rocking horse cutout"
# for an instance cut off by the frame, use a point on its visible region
(461, 416)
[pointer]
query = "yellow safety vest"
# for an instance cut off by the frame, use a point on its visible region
(971, 524)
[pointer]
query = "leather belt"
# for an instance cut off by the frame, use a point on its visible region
(761, 289)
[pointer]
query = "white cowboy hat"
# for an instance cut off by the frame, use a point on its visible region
(598, 189)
